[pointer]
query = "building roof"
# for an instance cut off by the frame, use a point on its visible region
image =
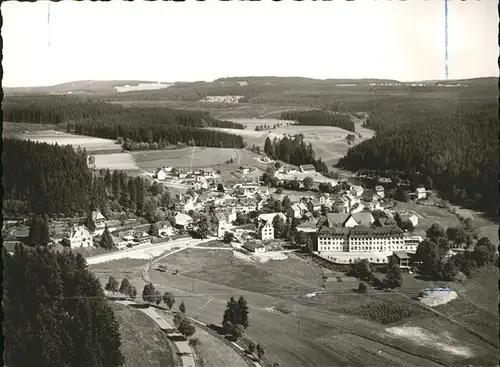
(401, 255)
(220, 217)
(182, 219)
(365, 219)
(386, 222)
(357, 188)
(96, 215)
(337, 219)
(269, 217)
(307, 167)
(249, 245)
(420, 189)
(379, 188)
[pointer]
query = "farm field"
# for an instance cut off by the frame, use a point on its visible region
(312, 335)
(117, 161)
(222, 111)
(197, 157)
(328, 142)
(91, 144)
(143, 344)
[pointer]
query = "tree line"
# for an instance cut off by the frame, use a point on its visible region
(56, 313)
(294, 150)
(106, 120)
(51, 180)
(454, 145)
(319, 118)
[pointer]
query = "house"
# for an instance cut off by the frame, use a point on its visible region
(342, 204)
(265, 230)
(162, 173)
(120, 244)
(254, 247)
(325, 199)
(409, 218)
(230, 215)
(183, 220)
(244, 170)
(245, 205)
(222, 224)
(297, 210)
(261, 204)
(402, 259)
(79, 237)
(368, 196)
(351, 201)
(421, 193)
(314, 205)
(163, 229)
(349, 220)
(100, 222)
(385, 222)
(270, 217)
(357, 190)
(380, 191)
(411, 243)
(357, 208)
(142, 238)
(307, 168)
(208, 172)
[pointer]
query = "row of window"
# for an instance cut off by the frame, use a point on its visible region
(367, 248)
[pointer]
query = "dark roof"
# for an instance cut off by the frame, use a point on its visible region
(401, 255)
(307, 166)
(363, 218)
(337, 219)
(386, 222)
(249, 245)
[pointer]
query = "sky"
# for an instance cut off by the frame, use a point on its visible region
(192, 41)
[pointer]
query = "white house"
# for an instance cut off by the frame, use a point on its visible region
(265, 230)
(307, 168)
(183, 220)
(413, 219)
(163, 229)
(254, 247)
(120, 243)
(142, 238)
(380, 191)
(162, 173)
(222, 224)
(357, 190)
(79, 237)
(421, 193)
(297, 210)
(100, 222)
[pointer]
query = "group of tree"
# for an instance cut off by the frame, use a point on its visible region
(453, 143)
(56, 313)
(235, 319)
(319, 117)
(183, 324)
(294, 150)
(60, 183)
(435, 262)
(258, 349)
(363, 270)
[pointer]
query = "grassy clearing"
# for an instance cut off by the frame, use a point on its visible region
(143, 344)
(281, 276)
(18, 129)
(197, 157)
(91, 144)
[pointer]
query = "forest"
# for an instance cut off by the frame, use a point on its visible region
(317, 117)
(94, 117)
(40, 178)
(452, 142)
(56, 313)
(294, 150)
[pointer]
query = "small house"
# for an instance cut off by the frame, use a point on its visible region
(409, 218)
(254, 247)
(163, 229)
(420, 193)
(402, 260)
(357, 190)
(307, 168)
(100, 222)
(380, 191)
(142, 238)
(265, 230)
(79, 237)
(183, 220)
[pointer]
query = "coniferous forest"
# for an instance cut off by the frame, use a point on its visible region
(40, 178)
(295, 151)
(55, 312)
(321, 118)
(455, 144)
(105, 120)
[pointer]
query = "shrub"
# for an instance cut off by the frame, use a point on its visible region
(194, 342)
(362, 288)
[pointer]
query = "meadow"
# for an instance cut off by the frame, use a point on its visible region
(197, 157)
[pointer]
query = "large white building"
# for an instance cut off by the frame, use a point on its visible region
(79, 236)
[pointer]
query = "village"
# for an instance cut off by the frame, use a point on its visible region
(331, 219)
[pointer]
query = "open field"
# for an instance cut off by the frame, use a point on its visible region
(428, 215)
(91, 144)
(296, 333)
(196, 156)
(143, 344)
(222, 111)
(328, 142)
(14, 129)
(116, 161)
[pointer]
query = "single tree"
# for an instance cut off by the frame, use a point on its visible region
(186, 328)
(484, 252)
(194, 342)
(363, 270)
(169, 299)
(178, 317)
(227, 326)
(157, 297)
(279, 190)
(261, 350)
(242, 312)
(238, 331)
(107, 240)
(394, 278)
(89, 222)
(428, 255)
(203, 227)
(124, 286)
(308, 183)
(279, 226)
(435, 232)
(182, 307)
(362, 288)
(228, 237)
(132, 292)
(148, 293)
(251, 347)
(220, 187)
(301, 238)
(39, 231)
(112, 284)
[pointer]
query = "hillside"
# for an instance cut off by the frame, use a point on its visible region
(81, 86)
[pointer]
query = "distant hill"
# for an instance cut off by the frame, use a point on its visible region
(79, 87)
(486, 81)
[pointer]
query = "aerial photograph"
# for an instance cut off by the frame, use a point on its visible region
(250, 184)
